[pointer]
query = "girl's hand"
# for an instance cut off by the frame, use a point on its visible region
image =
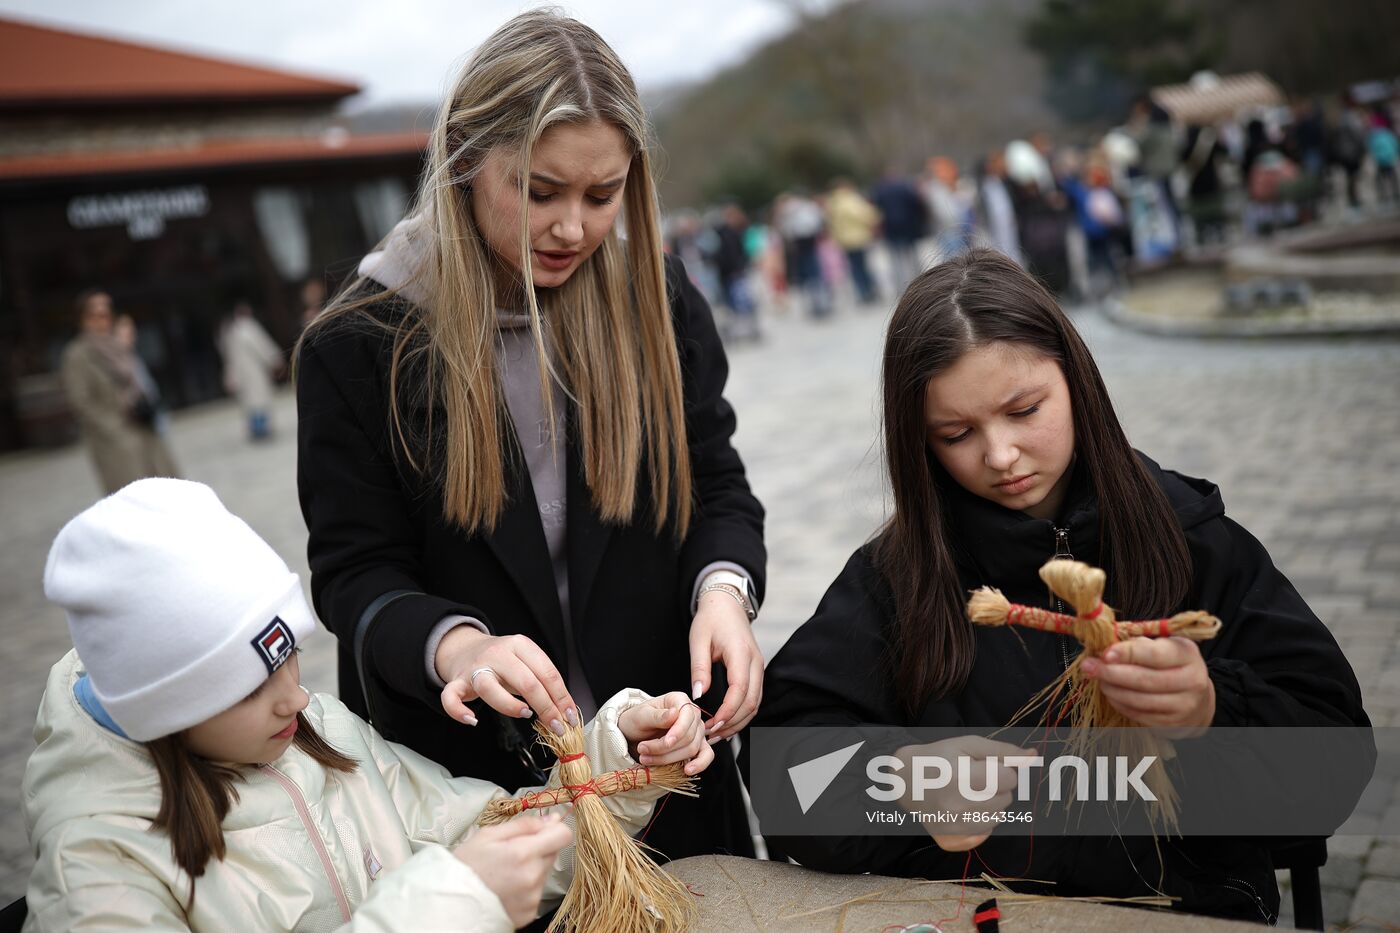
(514, 860)
(721, 632)
(1157, 681)
(666, 730)
(948, 800)
(517, 668)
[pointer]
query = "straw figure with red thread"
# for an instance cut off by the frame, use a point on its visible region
(1095, 625)
(616, 887)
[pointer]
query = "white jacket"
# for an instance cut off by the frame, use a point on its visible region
(250, 357)
(308, 848)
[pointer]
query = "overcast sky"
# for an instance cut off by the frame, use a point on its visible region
(406, 50)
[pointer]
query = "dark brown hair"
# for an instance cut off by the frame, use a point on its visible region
(196, 793)
(973, 300)
(80, 303)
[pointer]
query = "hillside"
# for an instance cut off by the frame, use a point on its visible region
(869, 84)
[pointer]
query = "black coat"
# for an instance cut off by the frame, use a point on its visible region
(377, 527)
(1273, 664)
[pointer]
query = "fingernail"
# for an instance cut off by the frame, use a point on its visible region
(1111, 656)
(645, 759)
(556, 726)
(469, 718)
(713, 740)
(524, 712)
(696, 690)
(1090, 666)
(571, 715)
(715, 727)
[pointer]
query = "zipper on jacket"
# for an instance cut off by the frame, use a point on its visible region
(1062, 552)
(299, 802)
(1233, 884)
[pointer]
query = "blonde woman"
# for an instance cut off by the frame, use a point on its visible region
(515, 459)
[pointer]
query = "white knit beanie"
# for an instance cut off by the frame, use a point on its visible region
(177, 608)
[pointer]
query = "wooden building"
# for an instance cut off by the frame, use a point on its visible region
(179, 184)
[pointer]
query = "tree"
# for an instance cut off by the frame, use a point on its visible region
(1102, 53)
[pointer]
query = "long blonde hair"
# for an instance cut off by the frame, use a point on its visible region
(610, 323)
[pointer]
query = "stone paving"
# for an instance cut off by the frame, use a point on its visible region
(1302, 436)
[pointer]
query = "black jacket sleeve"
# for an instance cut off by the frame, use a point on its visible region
(728, 521)
(363, 543)
(831, 672)
(1274, 662)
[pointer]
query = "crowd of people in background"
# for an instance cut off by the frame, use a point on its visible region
(1079, 216)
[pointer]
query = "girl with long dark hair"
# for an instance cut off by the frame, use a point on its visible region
(1003, 450)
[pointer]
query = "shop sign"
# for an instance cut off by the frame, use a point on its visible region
(143, 213)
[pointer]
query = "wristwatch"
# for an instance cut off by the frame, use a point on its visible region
(736, 585)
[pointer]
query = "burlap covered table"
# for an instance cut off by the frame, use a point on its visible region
(738, 894)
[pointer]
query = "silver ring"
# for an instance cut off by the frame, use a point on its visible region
(481, 670)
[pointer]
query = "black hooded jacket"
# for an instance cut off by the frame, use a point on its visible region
(1273, 664)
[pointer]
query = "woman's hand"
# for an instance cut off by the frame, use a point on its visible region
(721, 632)
(1159, 682)
(510, 667)
(666, 730)
(514, 860)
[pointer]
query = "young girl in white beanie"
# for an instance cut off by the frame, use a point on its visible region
(184, 779)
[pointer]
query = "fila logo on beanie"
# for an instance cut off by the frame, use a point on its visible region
(177, 608)
(274, 644)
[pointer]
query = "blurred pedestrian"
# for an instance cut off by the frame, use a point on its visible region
(731, 259)
(124, 329)
(769, 255)
(252, 360)
(116, 416)
(1307, 139)
(1042, 215)
(903, 222)
(1151, 126)
(996, 211)
(1099, 215)
(1349, 146)
(800, 220)
(854, 221)
(313, 299)
(1385, 153)
(1201, 158)
(950, 207)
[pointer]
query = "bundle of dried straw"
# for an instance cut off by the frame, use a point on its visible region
(616, 887)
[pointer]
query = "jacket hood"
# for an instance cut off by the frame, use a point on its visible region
(1195, 501)
(397, 262)
(997, 543)
(80, 769)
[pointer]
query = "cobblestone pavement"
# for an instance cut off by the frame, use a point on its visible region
(1302, 436)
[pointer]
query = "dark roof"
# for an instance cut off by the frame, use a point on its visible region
(53, 69)
(329, 147)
